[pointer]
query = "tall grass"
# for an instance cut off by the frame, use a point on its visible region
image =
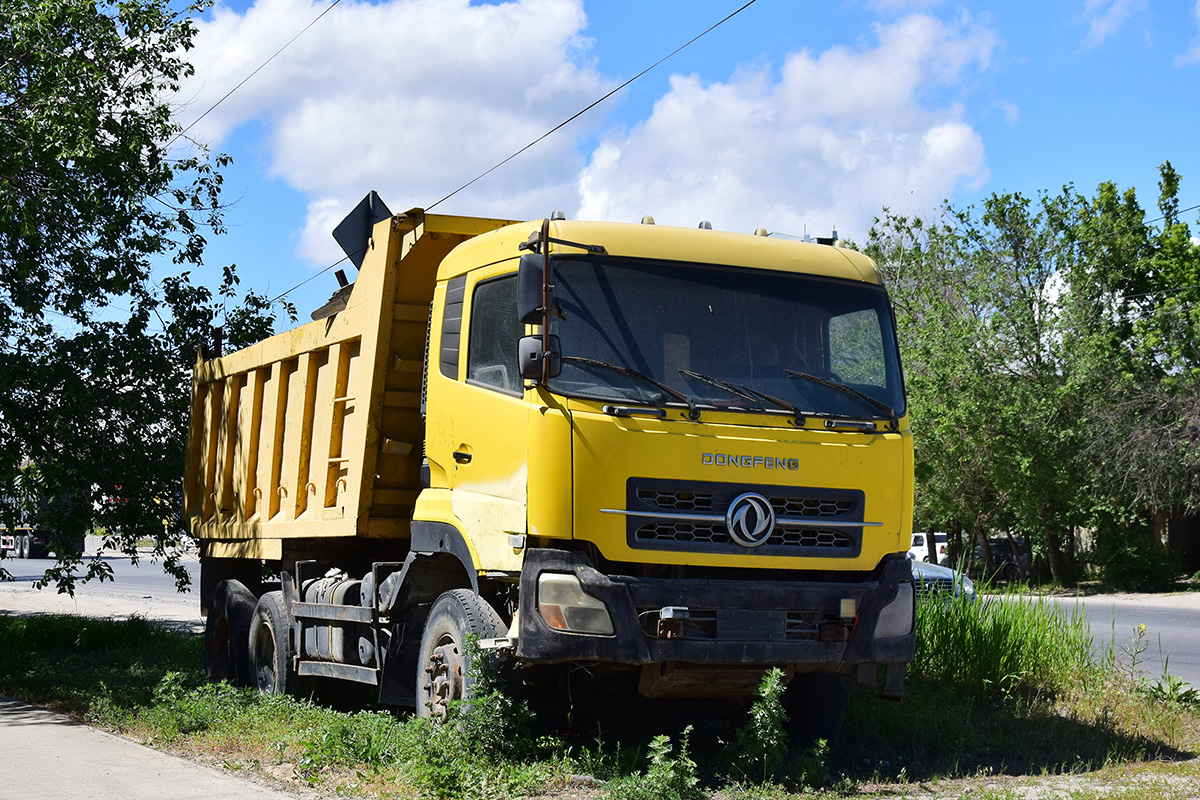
(70, 661)
(1002, 647)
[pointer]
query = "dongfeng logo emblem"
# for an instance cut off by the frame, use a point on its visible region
(750, 519)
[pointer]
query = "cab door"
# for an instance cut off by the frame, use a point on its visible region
(484, 421)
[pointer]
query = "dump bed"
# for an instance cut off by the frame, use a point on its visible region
(317, 432)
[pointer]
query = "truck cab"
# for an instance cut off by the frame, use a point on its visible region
(676, 457)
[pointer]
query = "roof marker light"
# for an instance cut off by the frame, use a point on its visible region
(761, 232)
(647, 220)
(558, 216)
(705, 225)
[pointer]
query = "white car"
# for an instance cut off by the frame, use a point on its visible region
(929, 547)
(932, 580)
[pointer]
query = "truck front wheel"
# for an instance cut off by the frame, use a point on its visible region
(23, 546)
(444, 667)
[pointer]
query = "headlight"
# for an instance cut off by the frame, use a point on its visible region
(967, 587)
(566, 607)
(896, 618)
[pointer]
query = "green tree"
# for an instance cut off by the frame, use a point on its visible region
(102, 225)
(1051, 350)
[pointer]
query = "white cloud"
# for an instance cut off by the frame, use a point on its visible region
(1012, 114)
(902, 6)
(409, 97)
(415, 97)
(1192, 56)
(1105, 17)
(828, 142)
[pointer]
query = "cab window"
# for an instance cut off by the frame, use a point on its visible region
(493, 333)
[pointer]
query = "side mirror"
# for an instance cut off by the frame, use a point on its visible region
(529, 289)
(530, 356)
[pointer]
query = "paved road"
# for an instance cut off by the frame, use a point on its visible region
(46, 755)
(1172, 629)
(141, 588)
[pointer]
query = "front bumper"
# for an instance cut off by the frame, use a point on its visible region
(728, 622)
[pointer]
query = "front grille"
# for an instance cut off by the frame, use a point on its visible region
(659, 515)
(933, 586)
(710, 501)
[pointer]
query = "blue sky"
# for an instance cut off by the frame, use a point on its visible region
(795, 115)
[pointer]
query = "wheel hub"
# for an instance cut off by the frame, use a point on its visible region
(445, 679)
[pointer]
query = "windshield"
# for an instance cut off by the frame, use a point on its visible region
(711, 333)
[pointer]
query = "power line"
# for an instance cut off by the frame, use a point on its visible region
(588, 108)
(553, 130)
(309, 278)
(252, 74)
(1138, 226)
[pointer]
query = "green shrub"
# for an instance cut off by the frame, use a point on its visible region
(1130, 560)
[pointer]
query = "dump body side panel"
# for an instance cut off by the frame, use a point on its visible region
(316, 432)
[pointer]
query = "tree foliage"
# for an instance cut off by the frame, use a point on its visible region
(1052, 349)
(103, 226)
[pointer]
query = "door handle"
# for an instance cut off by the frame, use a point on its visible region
(462, 457)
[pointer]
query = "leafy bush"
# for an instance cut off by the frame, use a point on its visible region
(1129, 560)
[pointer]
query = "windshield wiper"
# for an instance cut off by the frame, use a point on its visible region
(850, 390)
(741, 390)
(693, 412)
(720, 384)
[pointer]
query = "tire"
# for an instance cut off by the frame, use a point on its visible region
(22, 546)
(443, 665)
(816, 707)
(227, 634)
(271, 648)
(1010, 573)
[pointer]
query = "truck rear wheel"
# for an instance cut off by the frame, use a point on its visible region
(271, 649)
(227, 633)
(23, 546)
(444, 666)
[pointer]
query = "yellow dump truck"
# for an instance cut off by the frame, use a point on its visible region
(675, 457)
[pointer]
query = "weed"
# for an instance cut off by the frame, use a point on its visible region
(1173, 691)
(1133, 656)
(811, 768)
(369, 738)
(671, 774)
(485, 748)
(760, 748)
(598, 761)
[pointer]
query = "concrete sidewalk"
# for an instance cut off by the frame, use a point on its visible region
(46, 755)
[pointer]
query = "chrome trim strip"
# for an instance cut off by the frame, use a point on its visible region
(783, 522)
(666, 515)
